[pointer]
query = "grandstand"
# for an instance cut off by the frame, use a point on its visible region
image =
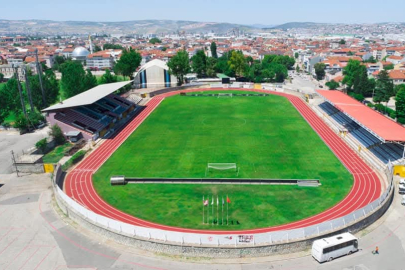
(382, 136)
(94, 113)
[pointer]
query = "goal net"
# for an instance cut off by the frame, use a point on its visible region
(225, 95)
(231, 167)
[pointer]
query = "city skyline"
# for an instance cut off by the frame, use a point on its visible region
(257, 12)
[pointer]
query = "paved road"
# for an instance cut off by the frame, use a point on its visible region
(303, 83)
(35, 236)
(12, 140)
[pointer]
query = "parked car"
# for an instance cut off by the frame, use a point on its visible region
(403, 200)
(402, 181)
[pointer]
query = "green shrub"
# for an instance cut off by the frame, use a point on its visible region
(385, 110)
(73, 160)
(41, 145)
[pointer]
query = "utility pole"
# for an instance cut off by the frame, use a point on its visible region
(20, 91)
(39, 71)
(27, 84)
(14, 162)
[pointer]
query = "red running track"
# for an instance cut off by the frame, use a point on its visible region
(366, 187)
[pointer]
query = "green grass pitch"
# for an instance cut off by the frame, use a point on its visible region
(265, 136)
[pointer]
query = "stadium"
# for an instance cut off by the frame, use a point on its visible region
(218, 164)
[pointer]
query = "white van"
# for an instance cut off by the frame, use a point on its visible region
(327, 249)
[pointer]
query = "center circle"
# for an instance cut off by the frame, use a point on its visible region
(221, 121)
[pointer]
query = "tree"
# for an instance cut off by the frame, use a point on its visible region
(96, 48)
(90, 80)
(108, 77)
(370, 60)
(320, 70)
(51, 89)
(297, 68)
(222, 65)
(128, 63)
(4, 110)
(199, 63)
(350, 53)
(73, 76)
(58, 62)
(237, 63)
(332, 85)
(1, 77)
(255, 72)
(214, 50)
(57, 134)
(155, 40)
(41, 145)
(211, 63)
(389, 67)
(164, 49)
(342, 42)
(21, 122)
(384, 87)
(350, 71)
(11, 97)
(179, 65)
(108, 46)
(296, 55)
(400, 104)
(284, 60)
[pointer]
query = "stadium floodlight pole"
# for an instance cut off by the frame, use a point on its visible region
(39, 71)
(27, 84)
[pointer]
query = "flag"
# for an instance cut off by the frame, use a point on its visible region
(205, 202)
(228, 200)
(212, 203)
(217, 201)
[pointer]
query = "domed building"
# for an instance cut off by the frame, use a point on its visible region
(80, 53)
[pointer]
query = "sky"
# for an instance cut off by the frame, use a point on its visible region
(266, 12)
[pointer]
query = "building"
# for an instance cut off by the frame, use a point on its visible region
(395, 59)
(93, 114)
(80, 54)
(398, 76)
(99, 61)
(103, 60)
(154, 74)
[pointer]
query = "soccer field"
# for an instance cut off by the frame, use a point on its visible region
(265, 136)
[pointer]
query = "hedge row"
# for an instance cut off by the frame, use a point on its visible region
(73, 160)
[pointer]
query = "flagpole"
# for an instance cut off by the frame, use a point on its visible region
(227, 217)
(208, 210)
(212, 203)
(223, 210)
(203, 211)
(217, 210)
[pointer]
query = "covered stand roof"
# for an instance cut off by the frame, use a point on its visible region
(376, 123)
(88, 97)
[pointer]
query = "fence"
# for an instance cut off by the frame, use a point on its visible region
(354, 221)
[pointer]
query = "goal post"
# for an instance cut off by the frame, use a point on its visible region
(222, 167)
(224, 95)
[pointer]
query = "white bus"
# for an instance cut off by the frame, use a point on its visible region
(327, 249)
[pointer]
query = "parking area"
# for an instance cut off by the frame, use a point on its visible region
(12, 141)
